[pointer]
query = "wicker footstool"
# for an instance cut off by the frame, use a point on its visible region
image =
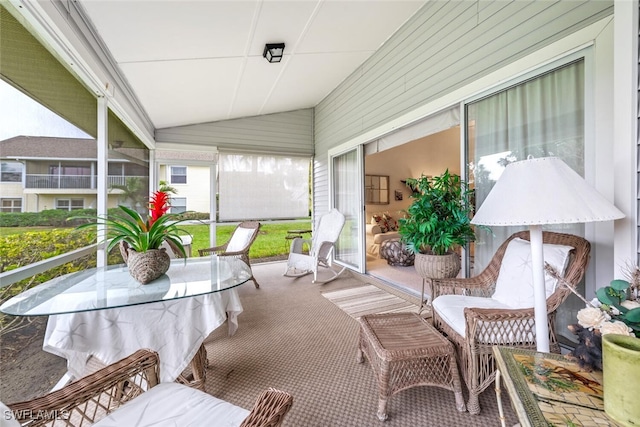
(406, 351)
(396, 253)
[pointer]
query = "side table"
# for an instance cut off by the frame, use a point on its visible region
(406, 351)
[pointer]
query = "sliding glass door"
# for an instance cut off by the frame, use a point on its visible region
(347, 174)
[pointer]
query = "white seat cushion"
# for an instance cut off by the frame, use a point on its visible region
(450, 308)
(514, 286)
(172, 404)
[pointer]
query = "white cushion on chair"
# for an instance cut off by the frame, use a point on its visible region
(450, 308)
(514, 285)
(240, 239)
(172, 404)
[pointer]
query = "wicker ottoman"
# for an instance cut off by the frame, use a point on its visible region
(396, 253)
(406, 351)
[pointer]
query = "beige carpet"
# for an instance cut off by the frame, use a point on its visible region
(292, 338)
(368, 299)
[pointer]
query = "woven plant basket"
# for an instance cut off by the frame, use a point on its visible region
(147, 266)
(437, 266)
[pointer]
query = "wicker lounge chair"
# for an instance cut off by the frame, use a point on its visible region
(321, 245)
(484, 324)
(121, 393)
(238, 245)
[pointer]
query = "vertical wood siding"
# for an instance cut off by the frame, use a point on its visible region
(289, 133)
(443, 47)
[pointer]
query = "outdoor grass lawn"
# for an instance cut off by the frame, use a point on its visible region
(270, 241)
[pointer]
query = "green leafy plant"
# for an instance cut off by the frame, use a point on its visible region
(438, 219)
(142, 234)
(615, 301)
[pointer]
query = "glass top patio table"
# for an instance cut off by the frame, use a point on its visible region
(112, 287)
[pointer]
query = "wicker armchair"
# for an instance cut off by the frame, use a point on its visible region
(238, 245)
(486, 327)
(133, 380)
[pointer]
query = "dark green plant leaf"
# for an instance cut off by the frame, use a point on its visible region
(620, 285)
(633, 315)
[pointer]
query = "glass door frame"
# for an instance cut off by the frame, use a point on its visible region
(333, 154)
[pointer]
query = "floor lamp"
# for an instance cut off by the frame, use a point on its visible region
(536, 192)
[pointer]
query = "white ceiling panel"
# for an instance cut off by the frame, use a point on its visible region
(312, 77)
(184, 92)
(146, 30)
(201, 61)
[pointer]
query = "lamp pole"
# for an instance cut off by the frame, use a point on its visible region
(539, 292)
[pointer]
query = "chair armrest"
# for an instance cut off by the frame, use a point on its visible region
(499, 326)
(269, 410)
(237, 253)
(373, 229)
(481, 286)
(96, 395)
(323, 251)
(297, 245)
(213, 250)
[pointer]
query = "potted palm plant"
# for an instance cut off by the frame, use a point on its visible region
(140, 238)
(437, 222)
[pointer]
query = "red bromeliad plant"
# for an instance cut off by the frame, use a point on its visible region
(158, 205)
(142, 234)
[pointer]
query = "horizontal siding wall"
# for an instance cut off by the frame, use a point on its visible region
(289, 133)
(445, 46)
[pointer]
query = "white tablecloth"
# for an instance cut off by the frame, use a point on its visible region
(174, 328)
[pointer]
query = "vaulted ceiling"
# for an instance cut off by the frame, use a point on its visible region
(201, 61)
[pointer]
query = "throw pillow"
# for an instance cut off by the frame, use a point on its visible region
(380, 222)
(514, 286)
(392, 224)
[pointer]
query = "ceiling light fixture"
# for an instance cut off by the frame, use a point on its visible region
(273, 52)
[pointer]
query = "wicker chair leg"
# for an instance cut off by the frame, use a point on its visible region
(382, 408)
(255, 282)
(473, 405)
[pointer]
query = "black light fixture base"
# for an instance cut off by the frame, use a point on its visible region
(273, 52)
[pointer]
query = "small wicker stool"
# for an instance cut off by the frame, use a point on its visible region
(406, 351)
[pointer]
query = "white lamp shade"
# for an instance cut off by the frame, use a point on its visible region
(543, 191)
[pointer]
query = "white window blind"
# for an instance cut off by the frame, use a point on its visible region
(257, 186)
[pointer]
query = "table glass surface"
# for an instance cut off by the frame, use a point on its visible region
(548, 389)
(112, 287)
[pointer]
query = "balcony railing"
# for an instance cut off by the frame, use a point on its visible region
(45, 181)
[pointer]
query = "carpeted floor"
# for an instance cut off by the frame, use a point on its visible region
(292, 338)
